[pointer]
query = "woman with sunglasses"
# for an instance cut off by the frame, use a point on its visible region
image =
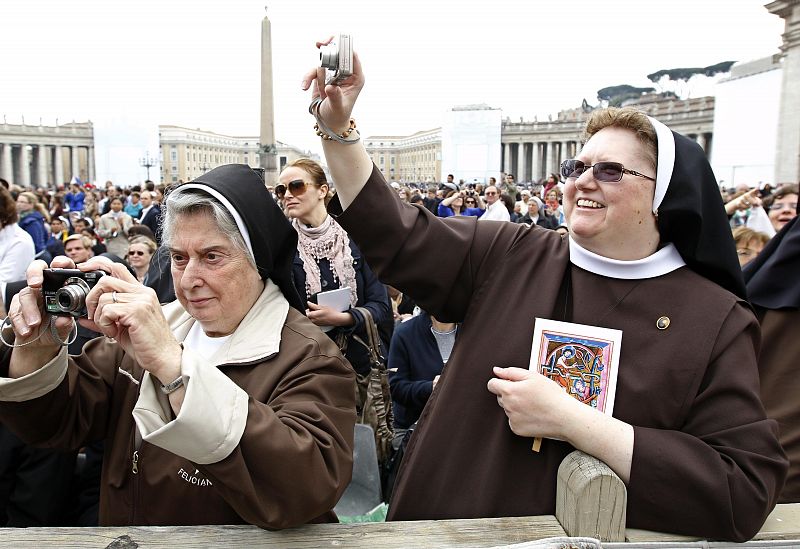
(650, 254)
(140, 252)
(327, 259)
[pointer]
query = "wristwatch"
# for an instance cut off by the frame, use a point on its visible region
(172, 386)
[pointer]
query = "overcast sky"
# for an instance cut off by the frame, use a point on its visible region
(128, 66)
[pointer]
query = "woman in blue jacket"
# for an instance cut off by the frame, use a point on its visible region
(32, 220)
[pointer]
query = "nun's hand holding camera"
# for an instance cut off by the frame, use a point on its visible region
(42, 315)
(339, 97)
(34, 333)
(332, 107)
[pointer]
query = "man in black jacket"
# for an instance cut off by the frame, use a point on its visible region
(151, 214)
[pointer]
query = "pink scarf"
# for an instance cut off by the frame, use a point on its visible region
(328, 241)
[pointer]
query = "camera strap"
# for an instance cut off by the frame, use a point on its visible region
(73, 335)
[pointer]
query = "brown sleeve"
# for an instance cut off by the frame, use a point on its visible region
(720, 475)
(74, 413)
(295, 457)
(440, 263)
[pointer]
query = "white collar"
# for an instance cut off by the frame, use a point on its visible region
(664, 261)
(257, 336)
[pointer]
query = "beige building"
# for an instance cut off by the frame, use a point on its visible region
(531, 150)
(412, 158)
(185, 154)
(44, 156)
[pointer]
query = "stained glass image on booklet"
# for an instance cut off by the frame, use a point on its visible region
(582, 359)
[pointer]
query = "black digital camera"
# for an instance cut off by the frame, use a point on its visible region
(64, 290)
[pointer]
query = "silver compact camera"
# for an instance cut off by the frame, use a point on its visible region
(337, 59)
(64, 290)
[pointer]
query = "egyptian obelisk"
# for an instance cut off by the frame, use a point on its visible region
(267, 152)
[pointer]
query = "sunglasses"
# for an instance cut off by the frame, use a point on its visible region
(469, 202)
(608, 172)
(135, 252)
(297, 187)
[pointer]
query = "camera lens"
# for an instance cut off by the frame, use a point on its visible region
(329, 57)
(71, 298)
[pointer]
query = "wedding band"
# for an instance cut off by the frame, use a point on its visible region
(114, 297)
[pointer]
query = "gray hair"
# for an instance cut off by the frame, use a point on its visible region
(194, 202)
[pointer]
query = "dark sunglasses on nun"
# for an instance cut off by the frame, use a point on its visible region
(297, 187)
(608, 172)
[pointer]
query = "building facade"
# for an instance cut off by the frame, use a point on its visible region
(46, 156)
(186, 154)
(533, 150)
(412, 158)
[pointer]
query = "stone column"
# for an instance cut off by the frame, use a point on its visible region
(787, 153)
(523, 161)
(268, 157)
(41, 166)
(564, 154)
(24, 166)
(549, 161)
(6, 165)
(58, 164)
(535, 161)
(74, 169)
(90, 168)
(506, 157)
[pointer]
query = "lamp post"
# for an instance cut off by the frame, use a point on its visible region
(147, 162)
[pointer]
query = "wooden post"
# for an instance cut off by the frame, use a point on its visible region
(591, 499)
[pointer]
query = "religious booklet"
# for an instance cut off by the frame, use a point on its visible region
(338, 300)
(582, 359)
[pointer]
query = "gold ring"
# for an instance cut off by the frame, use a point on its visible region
(114, 296)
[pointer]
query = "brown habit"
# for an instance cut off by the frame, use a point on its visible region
(706, 461)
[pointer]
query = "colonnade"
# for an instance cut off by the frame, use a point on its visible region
(533, 161)
(43, 165)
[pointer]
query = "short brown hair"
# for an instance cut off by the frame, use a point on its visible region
(8, 208)
(744, 235)
(630, 119)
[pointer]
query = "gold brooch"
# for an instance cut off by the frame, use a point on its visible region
(663, 323)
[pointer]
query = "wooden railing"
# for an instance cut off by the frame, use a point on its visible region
(591, 502)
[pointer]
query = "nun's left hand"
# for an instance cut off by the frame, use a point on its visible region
(535, 405)
(120, 307)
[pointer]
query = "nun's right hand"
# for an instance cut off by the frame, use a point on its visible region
(338, 99)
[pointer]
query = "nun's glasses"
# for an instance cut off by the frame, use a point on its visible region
(608, 172)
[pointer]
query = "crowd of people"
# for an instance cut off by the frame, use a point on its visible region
(214, 378)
